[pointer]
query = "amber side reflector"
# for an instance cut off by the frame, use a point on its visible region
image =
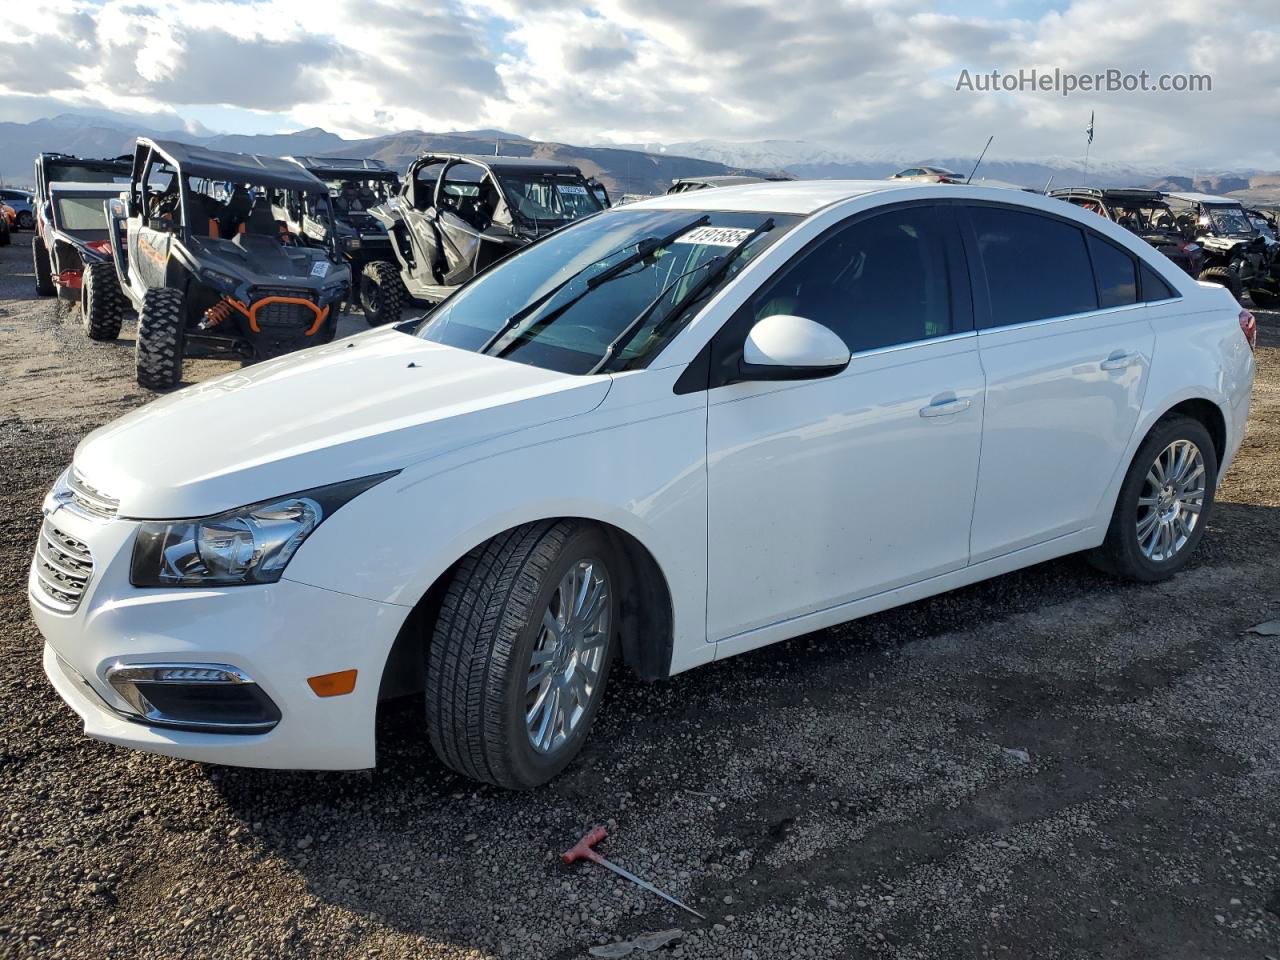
(333, 684)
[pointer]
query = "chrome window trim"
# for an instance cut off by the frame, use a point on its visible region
(1106, 311)
(909, 344)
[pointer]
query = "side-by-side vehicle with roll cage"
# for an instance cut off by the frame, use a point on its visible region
(65, 168)
(456, 214)
(1144, 213)
(1236, 254)
(78, 235)
(204, 261)
(355, 187)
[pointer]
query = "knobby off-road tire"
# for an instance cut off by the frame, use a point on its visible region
(1264, 299)
(382, 293)
(480, 659)
(42, 268)
(161, 339)
(1122, 554)
(101, 301)
(1222, 276)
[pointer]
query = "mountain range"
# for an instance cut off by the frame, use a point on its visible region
(637, 168)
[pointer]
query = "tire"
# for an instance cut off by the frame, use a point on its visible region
(42, 268)
(25, 220)
(479, 692)
(382, 293)
(161, 338)
(1264, 299)
(1221, 276)
(101, 301)
(1122, 554)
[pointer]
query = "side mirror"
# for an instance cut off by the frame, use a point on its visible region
(784, 347)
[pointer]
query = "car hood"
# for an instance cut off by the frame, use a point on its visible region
(375, 402)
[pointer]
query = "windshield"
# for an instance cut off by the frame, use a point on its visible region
(357, 196)
(549, 198)
(1262, 225)
(1145, 217)
(586, 320)
(82, 213)
(81, 172)
(1231, 221)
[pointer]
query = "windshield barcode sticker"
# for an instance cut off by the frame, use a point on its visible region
(715, 236)
(320, 268)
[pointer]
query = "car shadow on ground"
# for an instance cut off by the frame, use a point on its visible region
(418, 847)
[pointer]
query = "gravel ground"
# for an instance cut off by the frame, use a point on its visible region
(1049, 764)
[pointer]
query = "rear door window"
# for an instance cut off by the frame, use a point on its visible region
(1037, 267)
(1117, 275)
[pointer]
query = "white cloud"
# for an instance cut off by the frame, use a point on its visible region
(859, 74)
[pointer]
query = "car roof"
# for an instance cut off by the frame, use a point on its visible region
(222, 165)
(524, 164)
(72, 186)
(775, 196)
(344, 165)
(1118, 193)
(1204, 198)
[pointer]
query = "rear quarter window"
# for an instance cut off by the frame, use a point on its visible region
(1154, 286)
(1116, 272)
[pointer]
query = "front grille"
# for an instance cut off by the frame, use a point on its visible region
(289, 315)
(90, 499)
(63, 567)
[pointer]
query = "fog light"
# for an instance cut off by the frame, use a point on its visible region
(205, 697)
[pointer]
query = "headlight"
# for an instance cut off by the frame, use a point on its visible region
(222, 281)
(251, 544)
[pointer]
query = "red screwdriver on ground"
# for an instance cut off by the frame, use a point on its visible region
(582, 850)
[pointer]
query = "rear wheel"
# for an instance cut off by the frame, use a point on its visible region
(1163, 504)
(41, 267)
(382, 293)
(161, 339)
(101, 301)
(1264, 299)
(25, 220)
(520, 653)
(1223, 277)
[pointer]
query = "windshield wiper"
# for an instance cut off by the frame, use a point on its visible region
(645, 247)
(719, 267)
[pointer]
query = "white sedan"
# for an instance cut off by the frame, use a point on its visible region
(670, 433)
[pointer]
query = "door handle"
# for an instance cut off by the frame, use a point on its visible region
(1119, 361)
(946, 408)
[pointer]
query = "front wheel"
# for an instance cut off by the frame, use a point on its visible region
(520, 653)
(1163, 504)
(25, 220)
(382, 293)
(101, 301)
(161, 339)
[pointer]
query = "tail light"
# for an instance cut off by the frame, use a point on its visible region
(1250, 327)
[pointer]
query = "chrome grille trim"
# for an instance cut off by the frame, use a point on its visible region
(63, 566)
(89, 499)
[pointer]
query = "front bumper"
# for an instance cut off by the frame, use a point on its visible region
(279, 634)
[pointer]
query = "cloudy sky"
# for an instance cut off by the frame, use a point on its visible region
(865, 76)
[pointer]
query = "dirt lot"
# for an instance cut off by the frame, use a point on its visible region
(858, 792)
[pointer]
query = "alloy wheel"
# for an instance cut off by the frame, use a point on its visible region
(567, 663)
(1171, 501)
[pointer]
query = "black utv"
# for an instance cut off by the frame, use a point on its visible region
(1237, 255)
(79, 241)
(1142, 212)
(64, 168)
(355, 188)
(456, 214)
(204, 261)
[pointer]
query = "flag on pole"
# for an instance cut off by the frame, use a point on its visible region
(1089, 129)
